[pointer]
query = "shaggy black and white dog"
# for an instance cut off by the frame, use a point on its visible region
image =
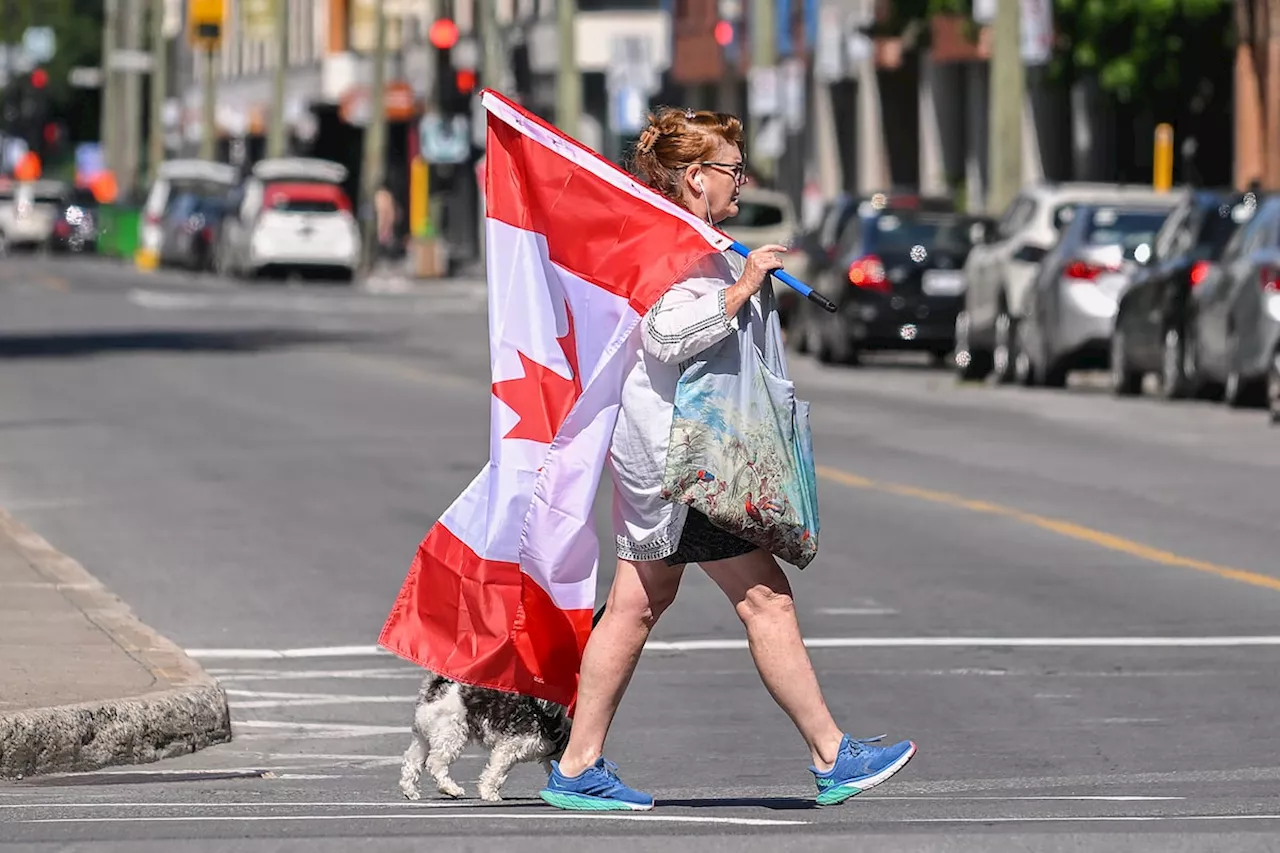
(450, 716)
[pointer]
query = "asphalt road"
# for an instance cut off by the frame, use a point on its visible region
(1070, 602)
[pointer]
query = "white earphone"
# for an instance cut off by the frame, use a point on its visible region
(701, 188)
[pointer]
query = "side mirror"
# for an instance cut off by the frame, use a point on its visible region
(978, 234)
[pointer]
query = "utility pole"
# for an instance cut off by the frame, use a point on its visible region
(764, 55)
(159, 89)
(1006, 93)
(208, 139)
(375, 140)
(569, 80)
(277, 139)
(131, 102)
(110, 102)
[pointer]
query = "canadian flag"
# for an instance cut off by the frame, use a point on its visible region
(502, 589)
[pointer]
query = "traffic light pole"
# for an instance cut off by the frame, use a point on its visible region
(208, 139)
(569, 80)
(277, 139)
(375, 140)
(1006, 94)
(159, 87)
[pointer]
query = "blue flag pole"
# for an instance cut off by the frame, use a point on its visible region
(791, 281)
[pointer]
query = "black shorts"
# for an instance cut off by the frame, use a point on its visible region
(703, 542)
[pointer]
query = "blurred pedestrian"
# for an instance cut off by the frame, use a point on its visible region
(694, 159)
(385, 216)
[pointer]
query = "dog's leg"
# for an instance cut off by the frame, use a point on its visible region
(504, 756)
(411, 770)
(447, 743)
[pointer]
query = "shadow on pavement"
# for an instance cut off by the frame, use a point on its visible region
(773, 803)
(84, 344)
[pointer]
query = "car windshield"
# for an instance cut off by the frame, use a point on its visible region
(304, 205)
(1219, 225)
(754, 214)
(897, 233)
(1129, 229)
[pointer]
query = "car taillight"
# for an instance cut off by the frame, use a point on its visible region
(1085, 271)
(62, 229)
(1199, 270)
(868, 272)
(1270, 280)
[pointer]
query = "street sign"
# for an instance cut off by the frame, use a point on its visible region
(85, 77)
(629, 110)
(258, 19)
(138, 61)
(445, 143)
(205, 20)
(39, 43)
(763, 97)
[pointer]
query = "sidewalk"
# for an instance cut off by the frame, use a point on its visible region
(83, 683)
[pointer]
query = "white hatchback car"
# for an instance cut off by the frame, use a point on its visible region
(291, 215)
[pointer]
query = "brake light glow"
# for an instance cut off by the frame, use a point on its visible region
(868, 272)
(1085, 271)
(1270, 280)
(1199, 270)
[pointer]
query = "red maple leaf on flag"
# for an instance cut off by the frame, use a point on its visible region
(541, 397)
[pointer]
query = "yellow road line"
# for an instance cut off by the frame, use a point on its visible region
(1069, 529)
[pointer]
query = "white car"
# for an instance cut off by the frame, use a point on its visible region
(291, 215)
(28, 211)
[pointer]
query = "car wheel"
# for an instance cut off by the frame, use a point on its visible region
(1002, 358)
(1273, 389)
(1024, 368)
(1125, 382)
(1239, 392)
(1174, 381)
(970, 363)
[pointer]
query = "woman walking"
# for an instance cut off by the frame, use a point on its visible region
(694, 159)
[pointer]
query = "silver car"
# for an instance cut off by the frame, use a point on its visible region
(1000, 271)
(1071, 306)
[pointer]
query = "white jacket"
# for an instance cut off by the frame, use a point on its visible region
(687, 320)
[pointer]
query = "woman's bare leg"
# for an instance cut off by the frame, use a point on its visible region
(761, 594)
(641, 592)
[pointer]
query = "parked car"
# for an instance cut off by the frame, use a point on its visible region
(28, 211)
(897, 284)
(1069, 310)
(75, 228)
(291, 215)
(204, 178)
(190, 230)
(764, 217)
(1233, 322)
(1151, 319)
(999, 272)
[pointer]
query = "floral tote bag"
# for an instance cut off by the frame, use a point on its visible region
(741, 450)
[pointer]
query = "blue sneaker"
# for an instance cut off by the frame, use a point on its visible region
(859, 767)
(596, 789)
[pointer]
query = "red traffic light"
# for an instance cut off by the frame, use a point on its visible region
(443, 34)
(724, 33)
(465, 80)
(39, 78)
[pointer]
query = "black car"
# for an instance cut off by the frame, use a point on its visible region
(1153, 313)
(896, 276)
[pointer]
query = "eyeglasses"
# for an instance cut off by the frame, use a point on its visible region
(739, 170)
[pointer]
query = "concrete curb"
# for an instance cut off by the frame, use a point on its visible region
(186, 713)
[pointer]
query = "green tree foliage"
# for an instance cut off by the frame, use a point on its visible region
(1142, 46)
(1137, 48)
(77, 26)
